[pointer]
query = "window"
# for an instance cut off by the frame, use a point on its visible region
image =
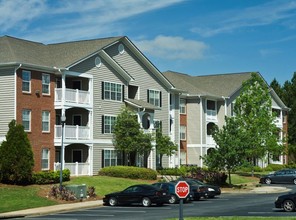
(211, 105)
(45, 159)
(112, 158)
(45, 84)
(108, 124)
(26, 119)
(182, 132)
(154, 97)
(26, 83)
(182, 106)
(112, 91)
(45, 121)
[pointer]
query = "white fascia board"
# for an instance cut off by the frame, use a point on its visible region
(115, 65)
(147, 63)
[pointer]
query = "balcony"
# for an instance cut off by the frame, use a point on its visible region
(278, 122)
(73, 96)
(73, 132)
(76, 169)
(210, 140)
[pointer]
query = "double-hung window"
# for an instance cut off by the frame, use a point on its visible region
(45, 121)
(26, 81)
(45, 159)
(108, 123)
(154, 97)
(45, 84)
(182, 132)
(182, 106)
(26, 119)
(112, 158)
(112, 91)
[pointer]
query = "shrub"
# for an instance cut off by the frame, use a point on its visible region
(50, 177)
(274, 167)
(129, 172)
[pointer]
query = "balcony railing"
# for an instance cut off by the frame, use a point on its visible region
(73, 132)
(76, 169)
(73, 96)
(210, 140)
(278, 122)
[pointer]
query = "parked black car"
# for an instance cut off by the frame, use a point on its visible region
(286, 202)
(197, 191)
(280, 176)
(170, 187)
(212, 189)
(138, 194)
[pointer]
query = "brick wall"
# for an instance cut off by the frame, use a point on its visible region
(37, 103)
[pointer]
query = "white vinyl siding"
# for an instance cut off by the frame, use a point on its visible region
(45, 84)
(26, 119)
(45, 121)
(26, 81)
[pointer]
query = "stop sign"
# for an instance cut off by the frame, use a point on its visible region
(182, 189)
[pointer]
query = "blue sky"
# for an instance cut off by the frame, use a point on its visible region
(197, 37)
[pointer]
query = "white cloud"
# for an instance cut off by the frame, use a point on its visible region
(173, 48)
(265, 14)
(81, 18)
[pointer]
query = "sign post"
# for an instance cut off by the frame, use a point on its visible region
(182, 190)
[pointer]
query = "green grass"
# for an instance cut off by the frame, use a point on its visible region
(237, 179)
(14, 198)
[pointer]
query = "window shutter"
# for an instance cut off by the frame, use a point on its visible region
(148, 95)
(123, 93)
(103, 91)
(103, 124)
(103, 158)
(160, 99)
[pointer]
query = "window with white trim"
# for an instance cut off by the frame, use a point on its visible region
(26, 119)
(154, 97)
(45, 121)
(182, 106)
(45, 84)
(45, 159)
(112, 158)
(112, 91)
(182, 132)
(26, 81)
(109, 122)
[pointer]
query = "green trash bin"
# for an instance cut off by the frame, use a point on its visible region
(78, 190)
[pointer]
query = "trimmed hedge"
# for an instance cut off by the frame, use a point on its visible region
(49, 177)
(129, 172)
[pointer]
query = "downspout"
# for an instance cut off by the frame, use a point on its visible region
(15, 89)
(201, 133)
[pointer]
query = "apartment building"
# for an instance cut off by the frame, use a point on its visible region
(204, 102)
(75, 90)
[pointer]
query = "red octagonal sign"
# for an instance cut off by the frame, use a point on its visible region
(182, 189)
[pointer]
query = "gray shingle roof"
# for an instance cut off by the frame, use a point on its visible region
(211, 85)
(61, 55)
(141, 104)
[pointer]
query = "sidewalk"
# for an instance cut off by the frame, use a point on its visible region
(51, 209)
(91, 204)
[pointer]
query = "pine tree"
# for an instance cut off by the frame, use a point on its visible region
(16, 156)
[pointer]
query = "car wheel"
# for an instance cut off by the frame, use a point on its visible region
(146, 202)
(268, 181)
(112, 201)
(288, 205)
(173, 199)
(294, 181)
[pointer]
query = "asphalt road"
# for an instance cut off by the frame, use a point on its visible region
(224, 205)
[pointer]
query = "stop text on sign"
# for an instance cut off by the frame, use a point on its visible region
(182, 189)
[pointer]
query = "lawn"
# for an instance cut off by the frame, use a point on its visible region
(240, 218)
(14, 198)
